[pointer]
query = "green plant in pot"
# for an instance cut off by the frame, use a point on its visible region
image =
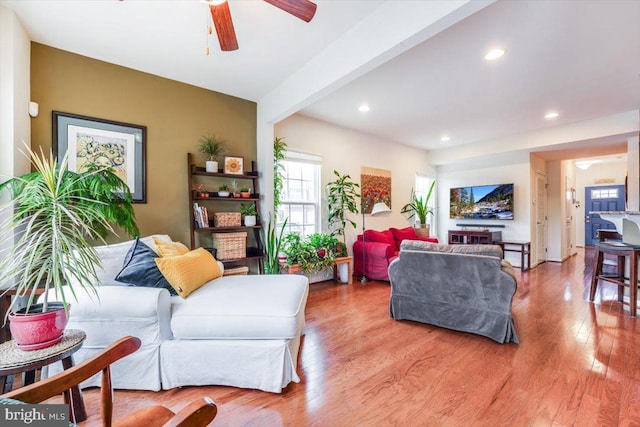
(52, 218)
(213, 148)
(342, 198)
(419, 208)
(314, 252)
(248, 211)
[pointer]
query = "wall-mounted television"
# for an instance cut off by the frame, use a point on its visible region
(482, 202)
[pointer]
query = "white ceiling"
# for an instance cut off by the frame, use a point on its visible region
(581, 58)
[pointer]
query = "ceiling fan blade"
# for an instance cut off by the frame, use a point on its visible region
(303, 9)
(224, 26)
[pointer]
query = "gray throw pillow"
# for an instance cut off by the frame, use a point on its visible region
(140, 269)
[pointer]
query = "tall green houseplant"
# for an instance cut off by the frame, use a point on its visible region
(279, 152)
(55, 214)
(342, 199)
(272, 241)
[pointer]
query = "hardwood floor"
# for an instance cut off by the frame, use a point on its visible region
(578, 364)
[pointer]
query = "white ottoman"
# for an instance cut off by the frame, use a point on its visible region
(241, 331)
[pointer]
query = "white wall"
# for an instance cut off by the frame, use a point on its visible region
(15, 125)
(538, 165)
(610, 171)
(500, 169)
(347, 151)
(560, 211)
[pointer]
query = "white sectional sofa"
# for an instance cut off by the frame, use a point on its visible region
(241, 331)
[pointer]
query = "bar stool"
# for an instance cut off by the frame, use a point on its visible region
(621, 251)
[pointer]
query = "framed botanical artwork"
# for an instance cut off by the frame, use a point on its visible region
(234, 165)
(89, 140)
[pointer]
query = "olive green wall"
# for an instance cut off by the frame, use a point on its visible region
(176, 116)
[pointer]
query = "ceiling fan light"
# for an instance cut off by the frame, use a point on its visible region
(551, 115)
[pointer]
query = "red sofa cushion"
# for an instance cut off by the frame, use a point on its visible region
(400, 234)
(381, 237)
(409, 233)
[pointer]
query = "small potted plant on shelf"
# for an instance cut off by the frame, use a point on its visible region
(223, 191)
(212, 148)
(201, 193)
(249, 213)
(234, 188)
(245, 192)
(52, 218)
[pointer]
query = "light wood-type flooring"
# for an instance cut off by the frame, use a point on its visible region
(578, 364)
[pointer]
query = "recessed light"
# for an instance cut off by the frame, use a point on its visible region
(363, 108)
(551, 115)
(494, 54)
(445, 138)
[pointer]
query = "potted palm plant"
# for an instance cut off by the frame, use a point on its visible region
(419, 208)
(51, 219)
(212, 148)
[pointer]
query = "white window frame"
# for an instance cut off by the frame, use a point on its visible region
(421, 189)
(286, 204)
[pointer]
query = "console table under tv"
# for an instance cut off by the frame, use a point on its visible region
(486, 237)
(474, 237)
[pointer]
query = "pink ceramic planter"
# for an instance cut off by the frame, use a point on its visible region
(38, 330)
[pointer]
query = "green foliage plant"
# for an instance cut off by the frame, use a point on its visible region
(211, 147)
(51, 219)
(272, 240)
(342, 199)
(223, 187)
(279, 152)
(314, 252)
(248, 209)
(419, 207)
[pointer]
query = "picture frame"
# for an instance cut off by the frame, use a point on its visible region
(234, 165)
(106, 142)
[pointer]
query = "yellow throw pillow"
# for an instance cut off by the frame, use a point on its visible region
(170, 248)
(186, 273)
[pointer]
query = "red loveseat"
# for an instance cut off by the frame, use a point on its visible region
(381, 247)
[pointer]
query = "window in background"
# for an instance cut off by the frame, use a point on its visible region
(423, 183)
(300, 201)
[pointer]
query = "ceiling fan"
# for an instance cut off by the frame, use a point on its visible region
(303, 9)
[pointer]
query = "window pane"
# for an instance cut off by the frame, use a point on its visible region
(295, 191)
(309, 214)
(300, 201)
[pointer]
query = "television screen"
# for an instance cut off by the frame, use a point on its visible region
(482, 202)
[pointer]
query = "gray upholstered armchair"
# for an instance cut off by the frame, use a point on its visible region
(467, 288)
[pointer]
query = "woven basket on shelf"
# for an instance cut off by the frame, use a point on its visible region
(226, 219)
(230, 245)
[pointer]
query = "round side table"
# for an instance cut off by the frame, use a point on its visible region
(15, 361)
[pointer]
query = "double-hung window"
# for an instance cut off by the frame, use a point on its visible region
(300, 198)
(423, 183)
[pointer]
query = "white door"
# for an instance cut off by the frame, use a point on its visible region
(541, 218)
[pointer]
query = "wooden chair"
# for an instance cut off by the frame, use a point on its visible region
(198, 413)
